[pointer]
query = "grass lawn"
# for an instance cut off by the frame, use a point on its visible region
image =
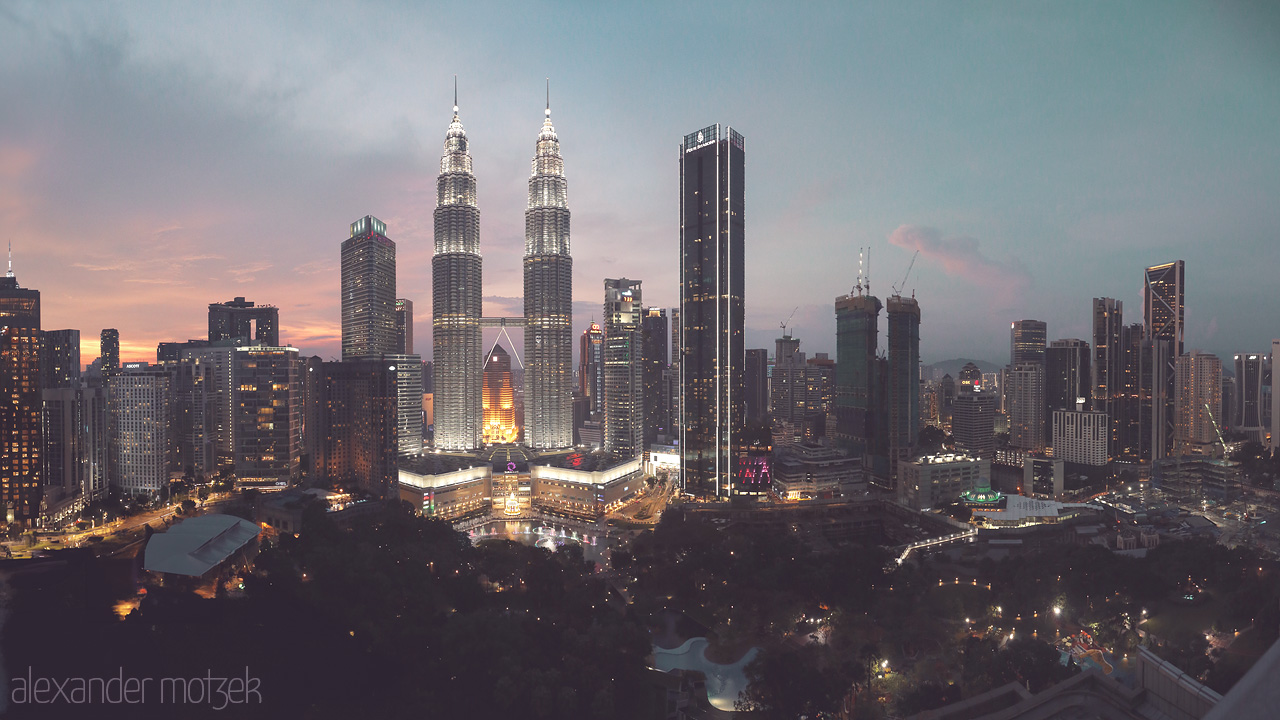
(1180, 624)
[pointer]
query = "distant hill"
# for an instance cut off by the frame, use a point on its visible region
(952, 367)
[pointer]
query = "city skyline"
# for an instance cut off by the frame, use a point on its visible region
(150, 194)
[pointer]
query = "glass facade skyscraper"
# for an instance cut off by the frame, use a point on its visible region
(21, 446)
(548, 300)
(624, 400)
(368, 291)
(712, 243)
(456, 299)
(1163, 305)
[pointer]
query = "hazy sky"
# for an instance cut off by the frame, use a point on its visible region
(156, 157)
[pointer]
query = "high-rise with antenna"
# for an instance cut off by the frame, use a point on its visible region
(21, 444)
(456, 297)
(548, 298)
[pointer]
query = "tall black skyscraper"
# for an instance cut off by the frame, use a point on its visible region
(21, 446)
(109, 349)
(404, 326)
(653, 328)
(368, 291)
(1027, 341)
(240, 319)
(756, 382)
(59, 358)
(1107, 369)
(1067, 379)
(903, 382)
(712, 244)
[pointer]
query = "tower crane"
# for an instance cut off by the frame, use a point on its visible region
(783, 324)
(898, 290)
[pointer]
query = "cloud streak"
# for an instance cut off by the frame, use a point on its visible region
(1005, 282)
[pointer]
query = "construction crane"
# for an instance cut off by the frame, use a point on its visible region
(898, 290)
(1221, 442)
(783, 324)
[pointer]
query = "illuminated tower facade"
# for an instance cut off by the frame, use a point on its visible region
(591, 368)
(1163, 305)
(548, 300)
(623, 369)
(21, 447)
(499, 399)
(456, 298)
(712, 278)
(368, 293)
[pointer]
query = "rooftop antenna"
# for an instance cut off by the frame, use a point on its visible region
(10, 273)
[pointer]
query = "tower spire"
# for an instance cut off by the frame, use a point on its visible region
(10, 273)
(548, 97)
(455, 95)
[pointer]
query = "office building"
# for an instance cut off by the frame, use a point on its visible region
(141, 403)
(1133, 433)
(1198, 403)
(359, 409)
(267, 425)
(1163, 303)
(800, 392)
(241, 321)
(591, 368)
(756, 381)
(1027, 341)
(548, 300)
(973, 422)
(1067, 376)
(970, 378)
(657, 412)
(947, 392)
(1081, 436)
(456, 343)
(311, 389)
(404, 327)
(1253, 376)
(1025, 398)
(499, 399)
(903, 382)
(62, 472)
(1275, 401)
(195, 408)
(109, 351)
(59, 358)
(21, 445)
(1043, 477)
(624, 410)
(857, 334)
(368, 291)
(712, 247)
(217, 363)
(1107, 369)
(408, 372)
(935, 480)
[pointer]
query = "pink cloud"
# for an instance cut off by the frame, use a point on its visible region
(962, 258)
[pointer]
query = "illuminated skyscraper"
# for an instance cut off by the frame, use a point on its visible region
(1107, 370)
(499, 399)
(1163, 305)
(456, 298)
(591, 368)
(712, 244)
(21, 446)
(1198, 403)
(59, 358)
(1027, 341)
(109, 349)
(1026, 406)
(548, 300)
(267, 424)
(623, 369)
(368, 291)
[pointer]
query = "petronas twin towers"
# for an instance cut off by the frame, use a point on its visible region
(456, 300)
